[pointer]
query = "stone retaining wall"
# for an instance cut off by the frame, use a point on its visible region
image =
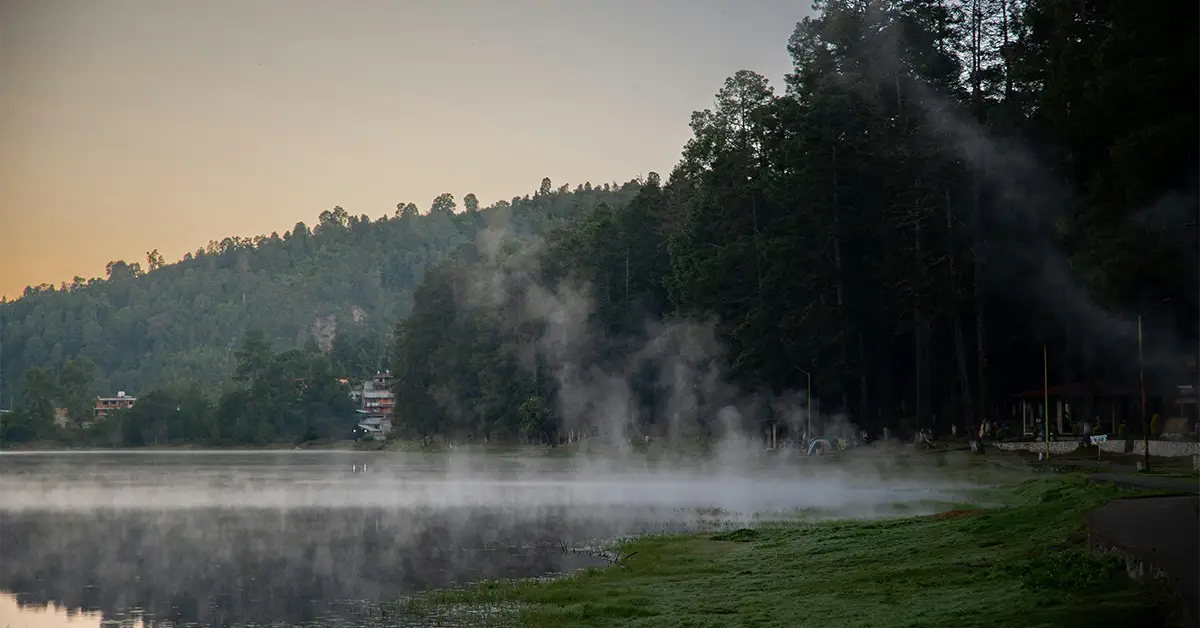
(1056, 446)
(1164, 448)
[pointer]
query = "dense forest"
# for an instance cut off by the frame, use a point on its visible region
(340, 285)
(290, 396)
(942, 195)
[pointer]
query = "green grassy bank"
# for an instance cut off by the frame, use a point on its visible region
(1022, 565)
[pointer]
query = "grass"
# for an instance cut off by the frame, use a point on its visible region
(1021, 565)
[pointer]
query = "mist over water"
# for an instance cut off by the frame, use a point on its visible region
(234, 538)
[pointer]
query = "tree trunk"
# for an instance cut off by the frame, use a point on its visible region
(918, 338)
(885, 394)
(840, 283)
(963, 378)
(959, 341)
(626, 277)
(863, 411)
(1007, 54)
(1089, 385)
(977, 36)
(981, 360)
(1066, 370)
(758, 274)
(976, 51)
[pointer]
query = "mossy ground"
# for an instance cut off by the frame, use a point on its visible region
(1021, 565)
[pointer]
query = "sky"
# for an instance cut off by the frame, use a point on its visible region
(132, 125)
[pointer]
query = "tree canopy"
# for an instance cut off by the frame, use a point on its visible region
(940, 194)
(342, 283)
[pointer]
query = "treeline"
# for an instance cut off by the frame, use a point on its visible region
(292, 396)
(943, 191)
(340, 284)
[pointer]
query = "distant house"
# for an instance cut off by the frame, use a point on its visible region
(1112, 403)
(104, 405)
(377, 398)
(376, 404)
(1183, 415)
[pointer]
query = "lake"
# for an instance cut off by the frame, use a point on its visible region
(319, 537)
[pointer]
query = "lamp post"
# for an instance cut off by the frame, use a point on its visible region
(808, 417)
(1142, 386)
(1046, 392)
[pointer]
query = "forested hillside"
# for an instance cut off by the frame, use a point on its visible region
(941, 192)
(941, 196)
(340, 284)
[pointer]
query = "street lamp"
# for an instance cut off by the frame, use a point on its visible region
(1046, 392)
(808, 417)
(1142, 387)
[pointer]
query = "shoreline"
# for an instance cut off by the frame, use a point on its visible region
(391, 446)
(58, 448)
(395, 447)
(1022, 564)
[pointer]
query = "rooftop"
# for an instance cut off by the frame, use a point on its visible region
(1078, 389)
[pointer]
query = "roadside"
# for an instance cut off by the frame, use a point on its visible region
(1157, 536)
(1146, 482)
(1025, 565)
(1087, 460)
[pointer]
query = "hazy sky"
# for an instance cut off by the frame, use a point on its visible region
(129, 125)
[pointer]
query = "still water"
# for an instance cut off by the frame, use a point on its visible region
(294, 538)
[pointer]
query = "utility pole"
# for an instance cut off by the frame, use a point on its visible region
(1142, 385)
(1046, 393)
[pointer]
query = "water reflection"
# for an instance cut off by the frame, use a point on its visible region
(14, 614)
(228, 539)
(221, 567)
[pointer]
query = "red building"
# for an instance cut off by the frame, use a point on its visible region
(104, 405)
(377, 398)
(378, 404)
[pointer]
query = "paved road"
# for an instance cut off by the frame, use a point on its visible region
(1148, 482)
(1160, 533)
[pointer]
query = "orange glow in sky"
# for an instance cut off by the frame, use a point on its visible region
(131, 125)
